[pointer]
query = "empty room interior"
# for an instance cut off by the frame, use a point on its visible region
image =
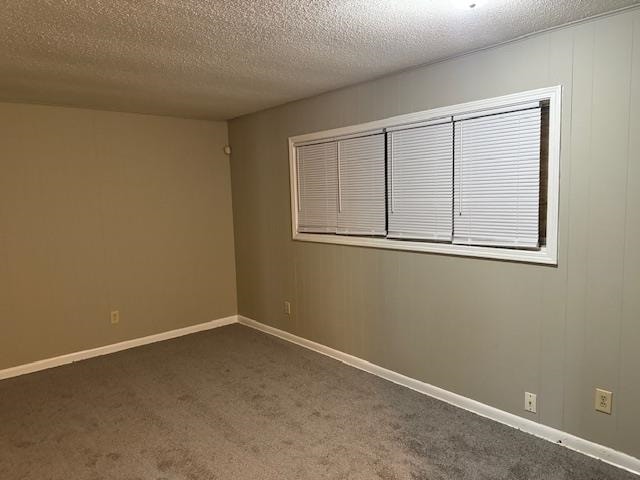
(337, 239)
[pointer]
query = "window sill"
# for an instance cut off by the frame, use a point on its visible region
(544, 256)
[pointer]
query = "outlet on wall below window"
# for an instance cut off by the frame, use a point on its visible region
(287, 308)
(603, 400)
(530, 402)
(115, 317)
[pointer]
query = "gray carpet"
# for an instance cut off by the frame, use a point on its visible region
(233, 403)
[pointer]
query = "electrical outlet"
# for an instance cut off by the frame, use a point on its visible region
(287, 308)
(603, 400)
(115, 317)
(530, 402)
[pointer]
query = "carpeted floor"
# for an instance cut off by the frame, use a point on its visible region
(236, 404)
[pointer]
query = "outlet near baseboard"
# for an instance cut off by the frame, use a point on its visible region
(530, 402)
(603, 400)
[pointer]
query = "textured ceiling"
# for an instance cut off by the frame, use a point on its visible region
(220, 59)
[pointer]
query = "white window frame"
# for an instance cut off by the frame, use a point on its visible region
(547, 254)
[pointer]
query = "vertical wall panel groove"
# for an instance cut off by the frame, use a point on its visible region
(628, 420)
(485, 329)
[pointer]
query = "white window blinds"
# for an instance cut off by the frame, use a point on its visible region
(497, 179)
(361, 186)
(420, 182)
(317, 187)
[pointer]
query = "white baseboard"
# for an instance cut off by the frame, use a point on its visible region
(606, 454)
(116, 347)
(586, 447)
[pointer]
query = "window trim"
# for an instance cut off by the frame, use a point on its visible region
(547, 254)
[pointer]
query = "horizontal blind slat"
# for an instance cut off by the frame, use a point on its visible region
(317, 187)
(420, 183)
(362, 180)
(496, 179)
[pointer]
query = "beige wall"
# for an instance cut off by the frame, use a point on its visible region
(102, 211)
(486, 329)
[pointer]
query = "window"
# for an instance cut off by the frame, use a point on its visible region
(317, 188)
(497, 179)
(421, 182)
(361, 183)
(478, 179)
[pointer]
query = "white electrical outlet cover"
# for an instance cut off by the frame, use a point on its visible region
(530, 402)
(603, 401)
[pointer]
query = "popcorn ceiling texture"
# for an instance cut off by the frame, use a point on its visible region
(221, 59)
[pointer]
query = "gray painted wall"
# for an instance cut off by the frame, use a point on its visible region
(485, 329)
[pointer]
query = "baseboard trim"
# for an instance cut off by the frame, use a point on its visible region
(586, 447)
(115, 347)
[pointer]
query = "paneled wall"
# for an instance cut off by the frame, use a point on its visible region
(489, 330)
